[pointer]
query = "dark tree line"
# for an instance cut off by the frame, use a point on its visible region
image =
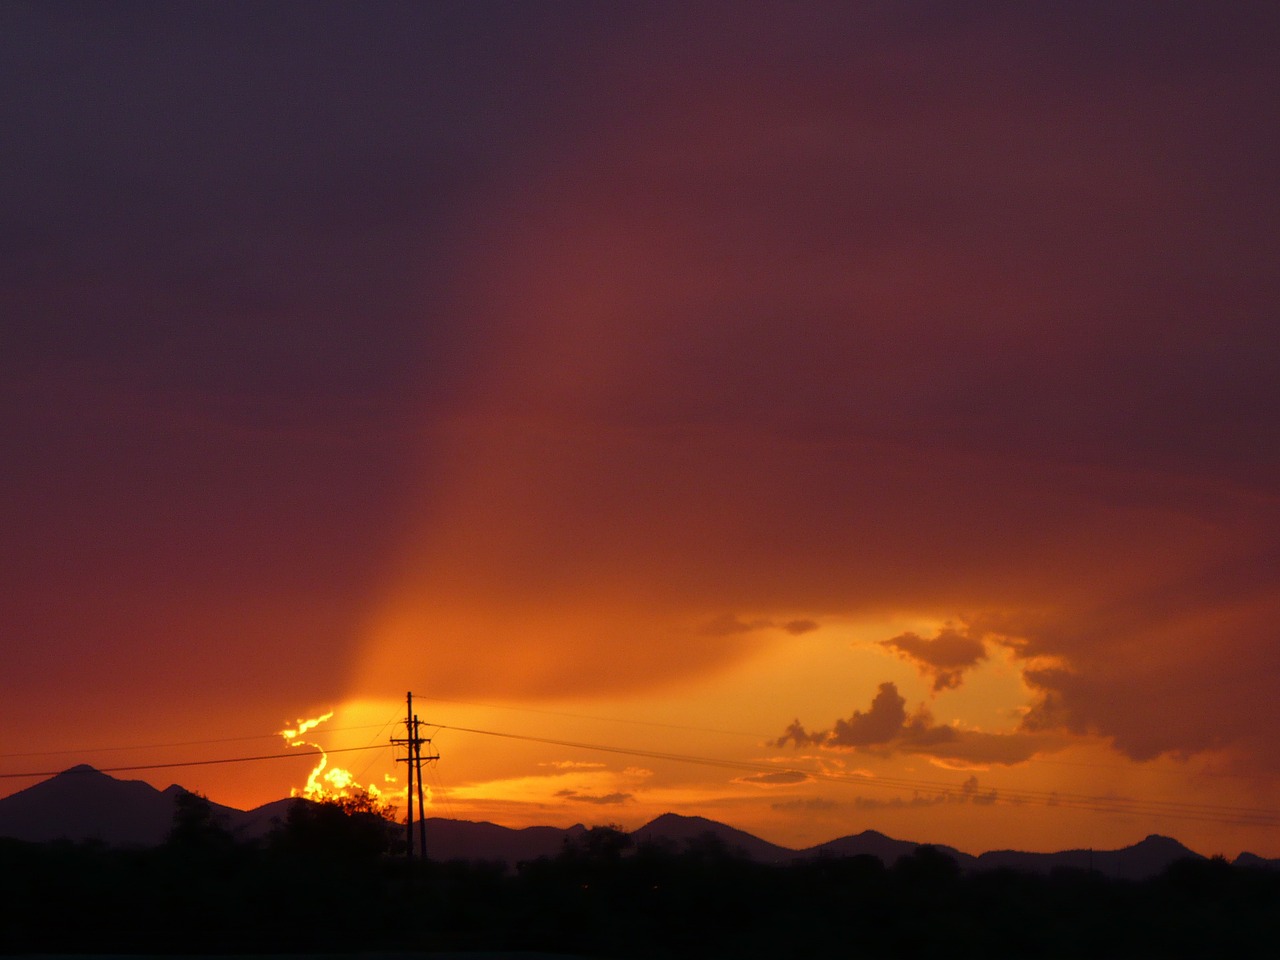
(327, 879)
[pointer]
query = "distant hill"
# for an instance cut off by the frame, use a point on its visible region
(1253, 860)
(878, 845)
(1144, 859)
(482, 841)
(677, 832)
(85, 804)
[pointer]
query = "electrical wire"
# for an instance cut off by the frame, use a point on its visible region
(440, 796)
(1212, 813)
(1084, 764)
(176, 743)
(381, 730)
(1185, 810)
(193, 763)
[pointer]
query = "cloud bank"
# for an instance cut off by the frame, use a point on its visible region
(887, 728)
(522, 347)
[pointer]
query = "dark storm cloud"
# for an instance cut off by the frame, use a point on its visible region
(231, 239)
(240, 197)
(1156, 669)
(649, 315)
(971, 343)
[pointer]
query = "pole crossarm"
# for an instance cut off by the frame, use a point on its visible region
(413, 741)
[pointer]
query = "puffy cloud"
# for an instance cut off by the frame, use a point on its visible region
(878, 725)
(882, 723)
(887, 727)
(798, 735)
(944, 657)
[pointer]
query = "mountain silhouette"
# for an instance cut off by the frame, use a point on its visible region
(483, 841)
(83, 803)
(1141, 860)
(1252, 860)
(673, 830)
(876, 844)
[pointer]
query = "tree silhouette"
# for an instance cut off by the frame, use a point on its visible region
(195, 829)
(344, 831)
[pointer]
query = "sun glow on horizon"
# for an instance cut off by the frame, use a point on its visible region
(325, 783)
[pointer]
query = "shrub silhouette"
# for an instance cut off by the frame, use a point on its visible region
(345, 831)
(323, 882)
(195, 829)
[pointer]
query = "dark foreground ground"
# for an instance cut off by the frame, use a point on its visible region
(325, 883)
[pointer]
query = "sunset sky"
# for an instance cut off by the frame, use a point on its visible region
(813, 416)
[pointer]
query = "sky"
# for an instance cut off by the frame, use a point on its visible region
(817, 417)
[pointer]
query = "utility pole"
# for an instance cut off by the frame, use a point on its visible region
(414, 740)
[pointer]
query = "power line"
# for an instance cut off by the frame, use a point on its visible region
(176, 743)
(771, 736)
(364, 770)
(1213, 813)
(194, 763)
(1207, 812)
(413, 741)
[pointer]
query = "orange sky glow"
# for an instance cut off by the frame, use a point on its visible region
(816, 419)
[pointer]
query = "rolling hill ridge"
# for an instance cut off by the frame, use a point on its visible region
(82, 803)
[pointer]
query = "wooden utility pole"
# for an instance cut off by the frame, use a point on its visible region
(414, 740)
(418, 741)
